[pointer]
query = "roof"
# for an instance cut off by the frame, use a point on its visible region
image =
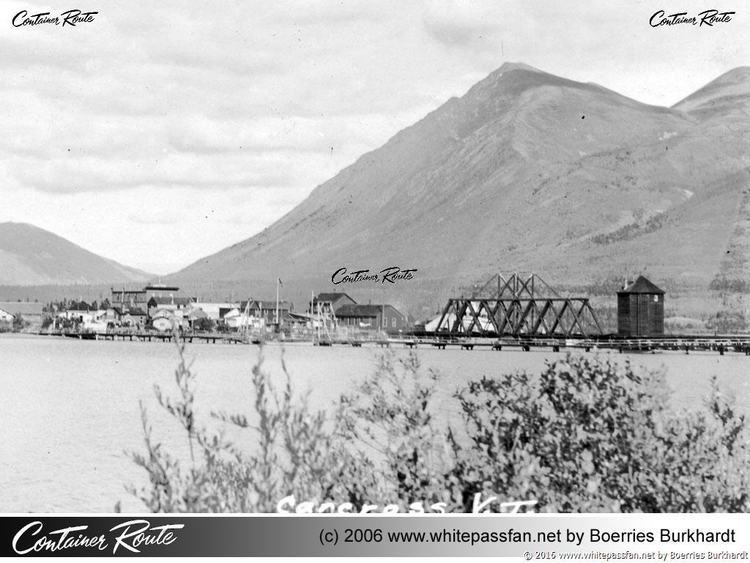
(127, 291)
(136, 312)
(21, 307)
(265, 305)
(642, 285)
(294, 318)
(299, 316)
(331, 297)
(162, 300)
(161, 287)
(163, 314)
(360, 310)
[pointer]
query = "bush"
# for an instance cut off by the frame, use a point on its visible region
(586, 435)
(19, 324)
(590, 435)
(295, 451)
(390, 418)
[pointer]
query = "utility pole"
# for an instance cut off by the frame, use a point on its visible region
(278, 282)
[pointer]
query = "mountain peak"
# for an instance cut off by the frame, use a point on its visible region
(507, 67)
(527, 171)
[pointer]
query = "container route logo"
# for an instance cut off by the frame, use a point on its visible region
(69, 18)
(131, 536)
(707, 18)
(391, 274)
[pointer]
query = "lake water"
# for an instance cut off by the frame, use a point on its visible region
(69, 409)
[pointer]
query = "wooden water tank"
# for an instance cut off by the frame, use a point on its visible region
(640, 309)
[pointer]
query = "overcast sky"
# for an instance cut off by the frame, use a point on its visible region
(164, 131)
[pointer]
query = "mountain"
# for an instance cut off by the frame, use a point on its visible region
(528, 172)
(730, 92)
(32, 256)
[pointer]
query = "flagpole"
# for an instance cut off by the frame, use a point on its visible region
(277, 301)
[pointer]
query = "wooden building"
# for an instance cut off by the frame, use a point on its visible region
(640, 309)
(28, 311)
(372, 317)
(126, 299)
(266, 310)
(330, 302)
(167, 303)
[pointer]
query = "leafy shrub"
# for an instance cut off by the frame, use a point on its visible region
(586, 435)
(391, 415)
(590, 435)
(295, 452)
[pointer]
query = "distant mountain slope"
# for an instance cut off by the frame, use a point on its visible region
(730, 91)
(526, 172)
(32, 256)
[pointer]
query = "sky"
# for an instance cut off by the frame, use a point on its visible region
(161, 132)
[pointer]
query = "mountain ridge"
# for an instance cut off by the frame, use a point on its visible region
(30, 255)
(525, 171)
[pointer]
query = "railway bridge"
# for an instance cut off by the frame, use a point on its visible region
(518, 306)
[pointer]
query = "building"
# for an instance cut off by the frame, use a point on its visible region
(640, 309)
(216, 311)
(161, 290)
(28, 312)
(330, 302)
(372, 317)
(164, 320)
(6, 317)
(168, 303)
(265, 310)
(134, 317)
(126, 299)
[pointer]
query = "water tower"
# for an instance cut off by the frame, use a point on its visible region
(640, 309)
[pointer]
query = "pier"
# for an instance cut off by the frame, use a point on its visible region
(683, 344)
(686, 344)
(150, 336)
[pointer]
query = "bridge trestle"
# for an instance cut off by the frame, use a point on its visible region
(521, 307)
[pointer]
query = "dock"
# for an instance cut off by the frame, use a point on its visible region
(150, 336)
(684, 344)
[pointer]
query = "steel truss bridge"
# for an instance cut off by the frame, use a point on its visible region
(520, 307)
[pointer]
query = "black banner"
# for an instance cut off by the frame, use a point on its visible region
(531, 536)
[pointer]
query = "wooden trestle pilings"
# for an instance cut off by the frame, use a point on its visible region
(150, 336)
(682, 344)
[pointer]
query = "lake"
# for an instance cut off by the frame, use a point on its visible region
(69, 409)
